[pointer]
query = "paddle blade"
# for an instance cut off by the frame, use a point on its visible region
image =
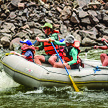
(74, 85)
(7, 54)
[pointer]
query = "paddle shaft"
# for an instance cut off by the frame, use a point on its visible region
(34, 42)
(88, 49)
(74, 85)
(15, 54)
(106, 43)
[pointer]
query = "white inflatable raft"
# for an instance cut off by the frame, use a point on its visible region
(33, 75)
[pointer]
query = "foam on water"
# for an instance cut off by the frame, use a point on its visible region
(38, 91)
(6, 82)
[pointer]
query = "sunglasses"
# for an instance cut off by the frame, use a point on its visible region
(67, 42)
(45, 28)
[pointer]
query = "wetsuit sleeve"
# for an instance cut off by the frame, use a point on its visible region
(41, 46)
(55, 36)
(73, 53)
(59, 43)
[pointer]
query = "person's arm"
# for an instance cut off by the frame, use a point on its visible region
(59, 43)
(40, 47)
(53, 37)
(15, 53)
(100, 47)
(103, 39)
(74, 53)
(42, 40)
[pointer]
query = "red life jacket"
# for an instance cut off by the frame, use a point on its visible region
(49, 49)
(66, 55)
(32, 49)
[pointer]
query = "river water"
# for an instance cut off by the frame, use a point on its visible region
(14, 95)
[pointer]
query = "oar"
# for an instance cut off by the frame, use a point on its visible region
(105, 43)
(91, 48)
(88, 49)
(74, 85)
(12, 53)
(8, 54)
(34, 42)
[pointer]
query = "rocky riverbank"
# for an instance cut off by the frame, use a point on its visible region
(21, 19)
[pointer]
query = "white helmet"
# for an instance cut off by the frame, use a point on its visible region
(69, 39)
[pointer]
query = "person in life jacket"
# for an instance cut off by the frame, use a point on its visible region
(28, 50)
(54, 58)
(103, 56)
(46, 45)
(71, 52)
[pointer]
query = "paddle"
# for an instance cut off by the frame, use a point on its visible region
(74, 85)
(87, 49)
(105, 43)
(12, 53)
(8, 54)
(34, 42)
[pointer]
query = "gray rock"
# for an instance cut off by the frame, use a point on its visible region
(74, 18)
(85, 20)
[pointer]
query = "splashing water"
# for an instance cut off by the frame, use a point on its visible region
(13, 95)
(6, 82)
